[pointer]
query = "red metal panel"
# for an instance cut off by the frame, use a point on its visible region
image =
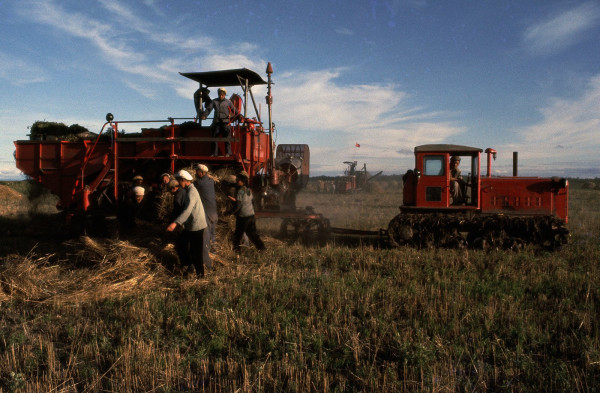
(432, 188)
(523, 195)
(25, 158)
(59, 165)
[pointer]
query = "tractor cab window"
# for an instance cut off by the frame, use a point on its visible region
(433, 166)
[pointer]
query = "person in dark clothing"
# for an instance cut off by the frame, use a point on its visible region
(203, 93)
(178, 199)
(190, 242)
(206, 188)
(245, 221)
(456, 181)
(132, 209)
(224, 114)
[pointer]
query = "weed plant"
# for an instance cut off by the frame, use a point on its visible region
(104, 315)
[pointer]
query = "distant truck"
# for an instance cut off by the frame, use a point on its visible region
(353, 179)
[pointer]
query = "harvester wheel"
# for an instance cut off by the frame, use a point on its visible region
(289, 229)
(309, 231)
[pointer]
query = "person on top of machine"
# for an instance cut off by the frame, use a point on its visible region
(203, 93)
(225, 113)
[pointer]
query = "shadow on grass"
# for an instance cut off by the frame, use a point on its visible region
(24, 233)
(44, 234)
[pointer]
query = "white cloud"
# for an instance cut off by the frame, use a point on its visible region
(143, 90)
(126, 17)
(18, 71)
(318, 102)
(344, 31)
(331, 118)
(569, 126)
(118, 37)
(8, 171)
(566, 136)
(560, 31)
(315, 101)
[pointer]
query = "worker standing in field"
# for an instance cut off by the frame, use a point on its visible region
(190, 241)
(245, 222)
(225, 113)
(206, 188)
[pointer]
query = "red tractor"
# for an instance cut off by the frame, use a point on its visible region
(91, 173)
(443, 208)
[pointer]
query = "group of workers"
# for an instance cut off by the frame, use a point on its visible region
(194, 214)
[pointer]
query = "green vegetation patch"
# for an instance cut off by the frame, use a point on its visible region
(45, 129)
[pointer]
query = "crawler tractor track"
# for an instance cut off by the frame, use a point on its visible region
(425, 230)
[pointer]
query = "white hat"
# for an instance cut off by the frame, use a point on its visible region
(202, 167)
(183, 174)
(139, 191)
(222, 89)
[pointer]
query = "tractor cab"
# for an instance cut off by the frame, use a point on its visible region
(445, 176)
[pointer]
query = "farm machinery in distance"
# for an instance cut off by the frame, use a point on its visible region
(354, 179)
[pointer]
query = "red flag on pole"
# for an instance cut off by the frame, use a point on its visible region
(357, 145)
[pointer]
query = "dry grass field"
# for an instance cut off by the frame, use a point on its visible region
(83, 314)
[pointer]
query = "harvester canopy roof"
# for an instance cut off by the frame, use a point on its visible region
(225, 77)
(443, 148)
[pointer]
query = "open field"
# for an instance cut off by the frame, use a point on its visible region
(96, 315)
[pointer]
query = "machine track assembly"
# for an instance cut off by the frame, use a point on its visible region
(498, 231)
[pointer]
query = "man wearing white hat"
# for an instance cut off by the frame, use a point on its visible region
(190, 243)
(225, 112)
(132, 209)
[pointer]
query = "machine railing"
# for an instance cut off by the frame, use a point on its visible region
(80, 185)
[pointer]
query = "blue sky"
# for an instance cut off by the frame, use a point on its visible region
(512, 75)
